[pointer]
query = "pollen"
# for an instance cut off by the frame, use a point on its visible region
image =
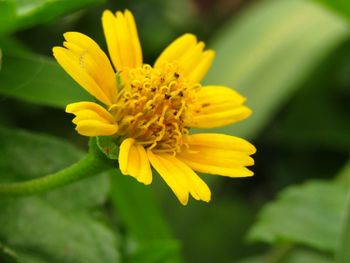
(152, 106)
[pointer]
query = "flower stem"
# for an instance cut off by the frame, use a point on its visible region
(93, 163)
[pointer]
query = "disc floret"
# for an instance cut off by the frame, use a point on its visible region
(152, 106)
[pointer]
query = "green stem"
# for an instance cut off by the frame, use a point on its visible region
(93, 163)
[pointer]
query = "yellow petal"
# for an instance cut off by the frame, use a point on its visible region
(136, 52)
(202, 66)
(221, 141)
(133, 161)
(85, 105)
(93, 60)
(213, 168)
(198, 188)
(95, 128)
(188, 53)
(84, 115)
(84, 57)
(160, 164)
(178, 175)
(217, 106)
(124, 150)
(122, 39)
(218, 154)
(92, 119)
(70, 64)
(190, 57)
(221, 157)
(175, 49)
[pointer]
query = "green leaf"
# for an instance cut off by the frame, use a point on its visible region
(341, 7)
(298, 255)
(268, 51)
(220, 225)
(7, 255)
(343, 253)
(308, 125)
(109, 146)
(0, 58)
(58, 236)
(307, 256)
(39, 80)
(161, 251)
(7, 14)
(344, 175)
(57, 226)
(20, 14)
(309, 214)
(26, 155)
(141, 214)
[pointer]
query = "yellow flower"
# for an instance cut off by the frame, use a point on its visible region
(151, 109)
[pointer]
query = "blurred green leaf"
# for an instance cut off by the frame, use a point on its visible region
(307, 256)
(222, 224)
(20, 14)
(0, 58)
(12, 46)
(305, 123)
(309, 214)
(58, 236)
(7, 14)
(26, 155)
(161, 251)
(269, 50)
(343, 252)
(39, 80)
(342, 7)
(140, 212)
(344, 175)
(58, 226)
(7, 255)
(298, 255)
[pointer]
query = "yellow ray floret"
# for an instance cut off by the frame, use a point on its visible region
(180, 178)
(217, 106)
(92, 119)
(122, 39)
(218, 154)
(133, 161)
(87, 64)
(189, 54)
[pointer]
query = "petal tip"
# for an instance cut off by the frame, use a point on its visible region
(183, 200)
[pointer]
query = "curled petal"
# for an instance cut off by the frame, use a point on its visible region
(85, 105)
(95, 128)
(92, 119)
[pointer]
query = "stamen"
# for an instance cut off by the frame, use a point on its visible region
(152, 105)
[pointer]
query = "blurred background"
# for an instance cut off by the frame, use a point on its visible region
(290, 59)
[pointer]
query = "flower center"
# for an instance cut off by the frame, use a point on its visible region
(152, 106)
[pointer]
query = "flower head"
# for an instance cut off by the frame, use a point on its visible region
(151, 109)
